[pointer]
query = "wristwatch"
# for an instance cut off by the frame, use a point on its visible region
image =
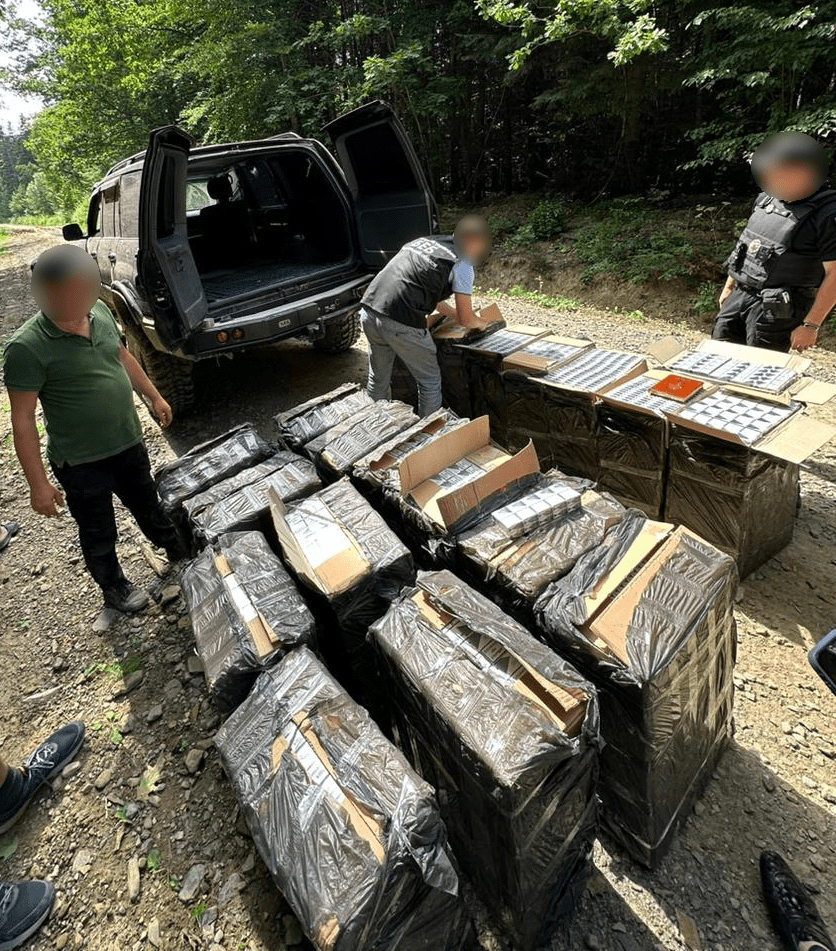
(816, 327)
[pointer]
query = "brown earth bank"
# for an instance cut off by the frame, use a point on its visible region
(774, 788)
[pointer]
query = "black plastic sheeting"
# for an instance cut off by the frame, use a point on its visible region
(209, 463)
(519, 800)
(740, 500)
(231, 658)
(347, 613)
(241, 502)
(308, 420)
(667, 715)
(518, 569)
(337, 449)
(633, 457)
(401, 894)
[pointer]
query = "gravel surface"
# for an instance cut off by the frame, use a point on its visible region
(141, 836)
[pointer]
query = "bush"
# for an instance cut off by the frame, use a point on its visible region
(547, 219)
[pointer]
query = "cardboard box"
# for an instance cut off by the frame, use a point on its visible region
(509, 732)
(446, 328)
(648, 617)
(246, 613)
(351, 835)
(300, 424)
(546, 353)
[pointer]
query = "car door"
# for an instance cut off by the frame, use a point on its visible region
(392, 199)
(166, 266)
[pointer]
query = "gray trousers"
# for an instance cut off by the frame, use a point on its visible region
(415, 346)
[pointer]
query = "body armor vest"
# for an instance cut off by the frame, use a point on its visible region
(763, 255)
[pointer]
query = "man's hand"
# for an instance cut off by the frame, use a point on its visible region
(161, 410)
(728, 287)
(803, 338)
(46, 500)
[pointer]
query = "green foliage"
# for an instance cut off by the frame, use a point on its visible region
(547, 219)
(544, 300)
(154, 860)
(8, 847)
(706, 300)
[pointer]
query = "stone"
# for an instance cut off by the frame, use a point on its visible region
(688, 930)
(62, 941)
(292, 930)
(593, 942)
(105, 619)
(194, 665)
(230, 888)
(103, 779)
(169, 594)
(768, 783)
(133, 878)
(154, 714)
(83, 861)
(130, 683)
(154, 933)
(191, 883)
(194, 758)
(71, 769)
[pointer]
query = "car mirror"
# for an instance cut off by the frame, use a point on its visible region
(72, 232)
(823, 659)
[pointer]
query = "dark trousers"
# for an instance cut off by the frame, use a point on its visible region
(89, 489)
(764, 318)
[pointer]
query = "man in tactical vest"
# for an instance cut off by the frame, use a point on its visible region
(782, 271)
(415, 282)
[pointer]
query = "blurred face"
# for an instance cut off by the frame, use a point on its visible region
(474, 247)
(65, 283)
(790, 181)
(69, 298)
(790, 166)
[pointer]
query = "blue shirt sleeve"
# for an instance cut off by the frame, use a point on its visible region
(461, 278)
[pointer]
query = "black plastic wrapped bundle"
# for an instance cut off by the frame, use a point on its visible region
(351, 835)
(510, 732)
(527, 416)
(337, 449)
(740, 500)
(341, 549)
(209, 463)
(516, 570)
(246, 613)
(666, 709)
(241, 502)
(302, 423)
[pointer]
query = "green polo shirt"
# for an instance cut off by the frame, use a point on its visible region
(84, 390)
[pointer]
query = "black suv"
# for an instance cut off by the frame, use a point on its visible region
(212, 249)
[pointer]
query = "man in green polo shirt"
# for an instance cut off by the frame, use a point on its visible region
(70, 355)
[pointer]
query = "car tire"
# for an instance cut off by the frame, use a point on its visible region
(340, 334)
(171, 376)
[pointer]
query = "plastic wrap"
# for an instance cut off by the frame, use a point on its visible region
(343, 551)
(666, 713)
(510, 732)
(306, 421)
(337, 449)
(209, 463)
(246, 613)
(351, 835)
(740, 500)
(517, 569)
(633, 457)
(240, 502)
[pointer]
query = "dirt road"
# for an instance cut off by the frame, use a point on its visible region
(775, 788)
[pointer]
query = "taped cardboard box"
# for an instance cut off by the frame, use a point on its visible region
(342, 550)
(208, 464)
(515, 569)
(241, 502)
(742, 498)
(337, 449)
(351, 835)
(302, 423)
(546, 353)
(648, 617)
(510, 732)
(246, 613)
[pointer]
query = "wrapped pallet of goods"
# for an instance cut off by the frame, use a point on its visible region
(509, 731)
(342, 551)
(300, 424)
(350, 834)
(516, 551)
(241, 502)
(647, 616)
(246, 613)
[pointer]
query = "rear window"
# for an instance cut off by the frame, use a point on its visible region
(129, 204)
(197, 196)
(379, 161)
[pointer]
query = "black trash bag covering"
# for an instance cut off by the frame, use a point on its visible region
(740, 500)
(209, 463)
(516, 570)
(232, 659)
(633, 457)
(337, 449)
(526, 416)
(351, 835)
(519, 800)
(241, 502)
(306, 421)
(666, 716)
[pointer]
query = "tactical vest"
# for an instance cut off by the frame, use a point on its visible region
(413, 282)
(763, 255)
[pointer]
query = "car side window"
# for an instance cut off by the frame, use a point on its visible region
(110, 204)
(129, 204)
(94, 216)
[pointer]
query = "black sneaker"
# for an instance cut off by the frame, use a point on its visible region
(24, 907)
(794, 913)
(44, 762)
(125, 597)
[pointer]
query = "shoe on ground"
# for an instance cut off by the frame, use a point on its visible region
(793, 911)
(44, 762)
(125, 597)
(24, 907)
(8, 530)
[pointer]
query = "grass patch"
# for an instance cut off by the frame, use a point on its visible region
(4, 238)
(544, 300)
